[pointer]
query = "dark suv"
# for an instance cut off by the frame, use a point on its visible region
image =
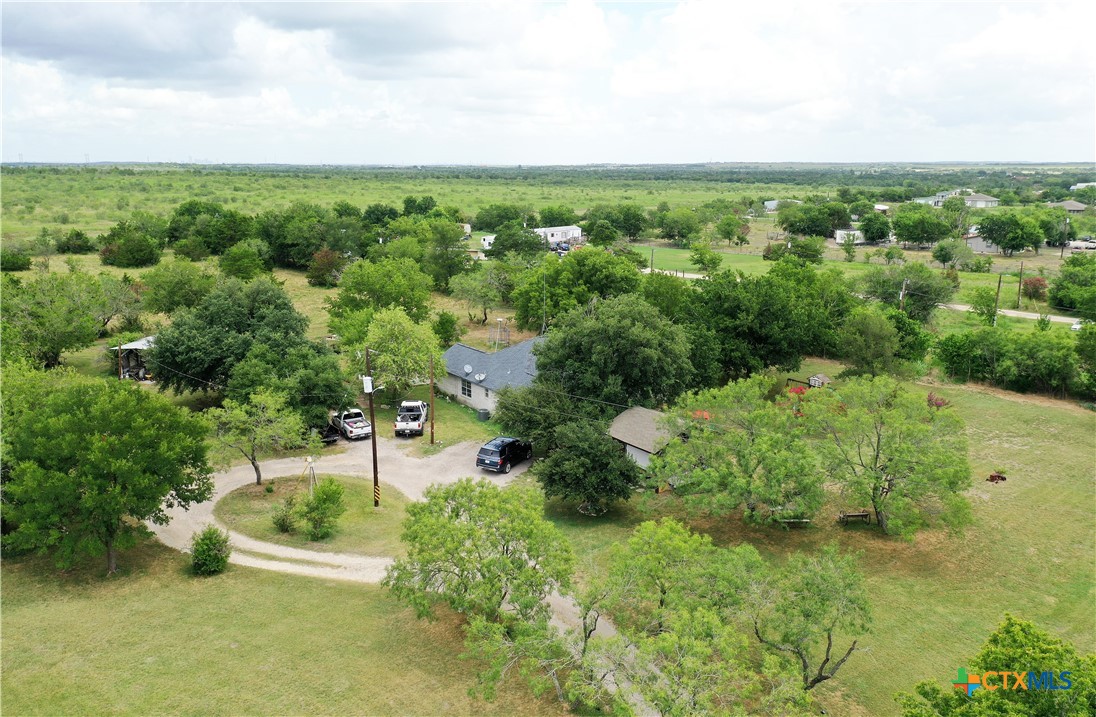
(501, 453)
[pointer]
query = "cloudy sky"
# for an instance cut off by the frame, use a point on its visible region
(572, 82)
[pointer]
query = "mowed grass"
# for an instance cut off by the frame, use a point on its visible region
(156, 640)
(1030, 550)
(362, 529)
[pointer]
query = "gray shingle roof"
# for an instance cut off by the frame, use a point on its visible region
(512, 366)
(642, 428)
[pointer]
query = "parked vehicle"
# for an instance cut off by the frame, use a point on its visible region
(327, 435)
(352, 424)
(502, 453)
(411, 417)
(1078, 325)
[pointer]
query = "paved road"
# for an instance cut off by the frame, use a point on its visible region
(1016, 314)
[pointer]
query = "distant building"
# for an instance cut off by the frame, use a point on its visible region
(487, 241)
(840, 236)
(474, 376)
(1071, 206)
(981, 201)
(773, 204)
(938, 199)
(555, 236)
(1082, 185)
(882, 208)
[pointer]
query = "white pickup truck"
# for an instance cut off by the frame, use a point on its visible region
(411, 417)
(352, 424)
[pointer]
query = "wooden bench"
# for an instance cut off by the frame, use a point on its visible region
(863, 515)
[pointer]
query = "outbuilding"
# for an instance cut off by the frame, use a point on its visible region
(642, 432)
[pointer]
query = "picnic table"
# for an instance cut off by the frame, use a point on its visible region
(845, 516)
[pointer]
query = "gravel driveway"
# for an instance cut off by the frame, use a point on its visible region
(410, 475)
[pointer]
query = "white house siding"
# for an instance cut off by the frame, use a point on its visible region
(481, 397)
(640, 456)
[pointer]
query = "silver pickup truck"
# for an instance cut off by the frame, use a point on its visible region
(352, 424)
(411, 417)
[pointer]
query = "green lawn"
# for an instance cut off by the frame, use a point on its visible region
(362, 529)
(155, 640)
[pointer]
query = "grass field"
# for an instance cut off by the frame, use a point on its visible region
(363, 529)
(155, 640)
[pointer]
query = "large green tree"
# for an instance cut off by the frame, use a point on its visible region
(446, 256)
(1075, 286)
(482, 550)
(401, 351)
(890, 448)
(93, 460)
(587, 466)
(919, 224)
(800, 608)
(555, 286)
(260, 425)
(741, 448)
(53, 313)
(1011, 232)
(921, 288)
(383, 284)
(875, 227)
(200, 348)
(175, 284)
(514, 237)
(619, 350)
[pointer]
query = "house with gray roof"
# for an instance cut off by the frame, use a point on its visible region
(981, 201)
(1071, 206)
(642, 433)
(474, 376)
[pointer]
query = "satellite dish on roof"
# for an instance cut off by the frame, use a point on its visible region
(480, 376)
(467, 368)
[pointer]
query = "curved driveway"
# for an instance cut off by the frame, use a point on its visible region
(410, 475)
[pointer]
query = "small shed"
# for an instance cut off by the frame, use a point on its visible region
(641, 432)
(131, 361)
(818, 380)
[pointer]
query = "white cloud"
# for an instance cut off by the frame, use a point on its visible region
(549, 83)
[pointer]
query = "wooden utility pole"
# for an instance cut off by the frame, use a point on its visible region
(997, 299)
(902, 295)
(372, 429)
(1020, 286)
(431, 400)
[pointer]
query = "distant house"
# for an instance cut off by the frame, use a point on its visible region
(981, 201)
(487, 241)
(555, 236)
(977, 244)
(840, 236)
(881, 208)
(467, 229)
(1071, 206)
(642, 433)
(1082, 185)
(938, 199)
(773, 204)
(474, 377)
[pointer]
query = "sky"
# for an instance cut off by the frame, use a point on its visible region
(576, 82)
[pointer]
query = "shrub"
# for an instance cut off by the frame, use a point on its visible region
(321, 509)
(1035, 287)
(75, 242)
(132, 250)
(326, 268)
(447, 328)
(980, 265)
(14, 260)
(243, 261)
(193, 248)
(210, 550)
(285, 518)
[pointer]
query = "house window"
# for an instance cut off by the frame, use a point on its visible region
(466, 388)
(486, 393)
